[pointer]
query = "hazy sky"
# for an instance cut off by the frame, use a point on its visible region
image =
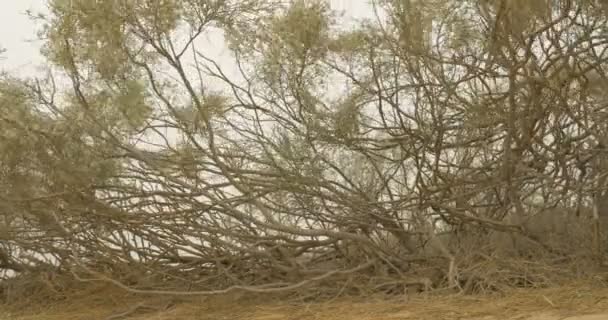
(18, 35)
(19, 32)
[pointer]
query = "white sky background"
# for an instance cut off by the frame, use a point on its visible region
(18, 36)
(18, 32)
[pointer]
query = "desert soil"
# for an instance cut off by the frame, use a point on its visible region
(581, 301)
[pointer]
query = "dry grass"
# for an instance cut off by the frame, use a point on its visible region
(100, 302)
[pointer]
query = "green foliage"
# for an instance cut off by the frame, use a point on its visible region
(106, 34)
(193, 118)
(518, 16)
(347, 115)
(349, 42)
(87, 32)
(302, 31)
(43, 150)
(288, 44)
(131, 104)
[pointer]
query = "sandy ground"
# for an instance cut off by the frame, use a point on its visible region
(581, 301)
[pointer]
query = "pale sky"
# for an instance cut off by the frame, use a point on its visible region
(18, 35)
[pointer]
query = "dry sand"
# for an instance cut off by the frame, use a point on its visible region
(581, 301)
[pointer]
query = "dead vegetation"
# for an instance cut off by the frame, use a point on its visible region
(454, 147)
(105, 302)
